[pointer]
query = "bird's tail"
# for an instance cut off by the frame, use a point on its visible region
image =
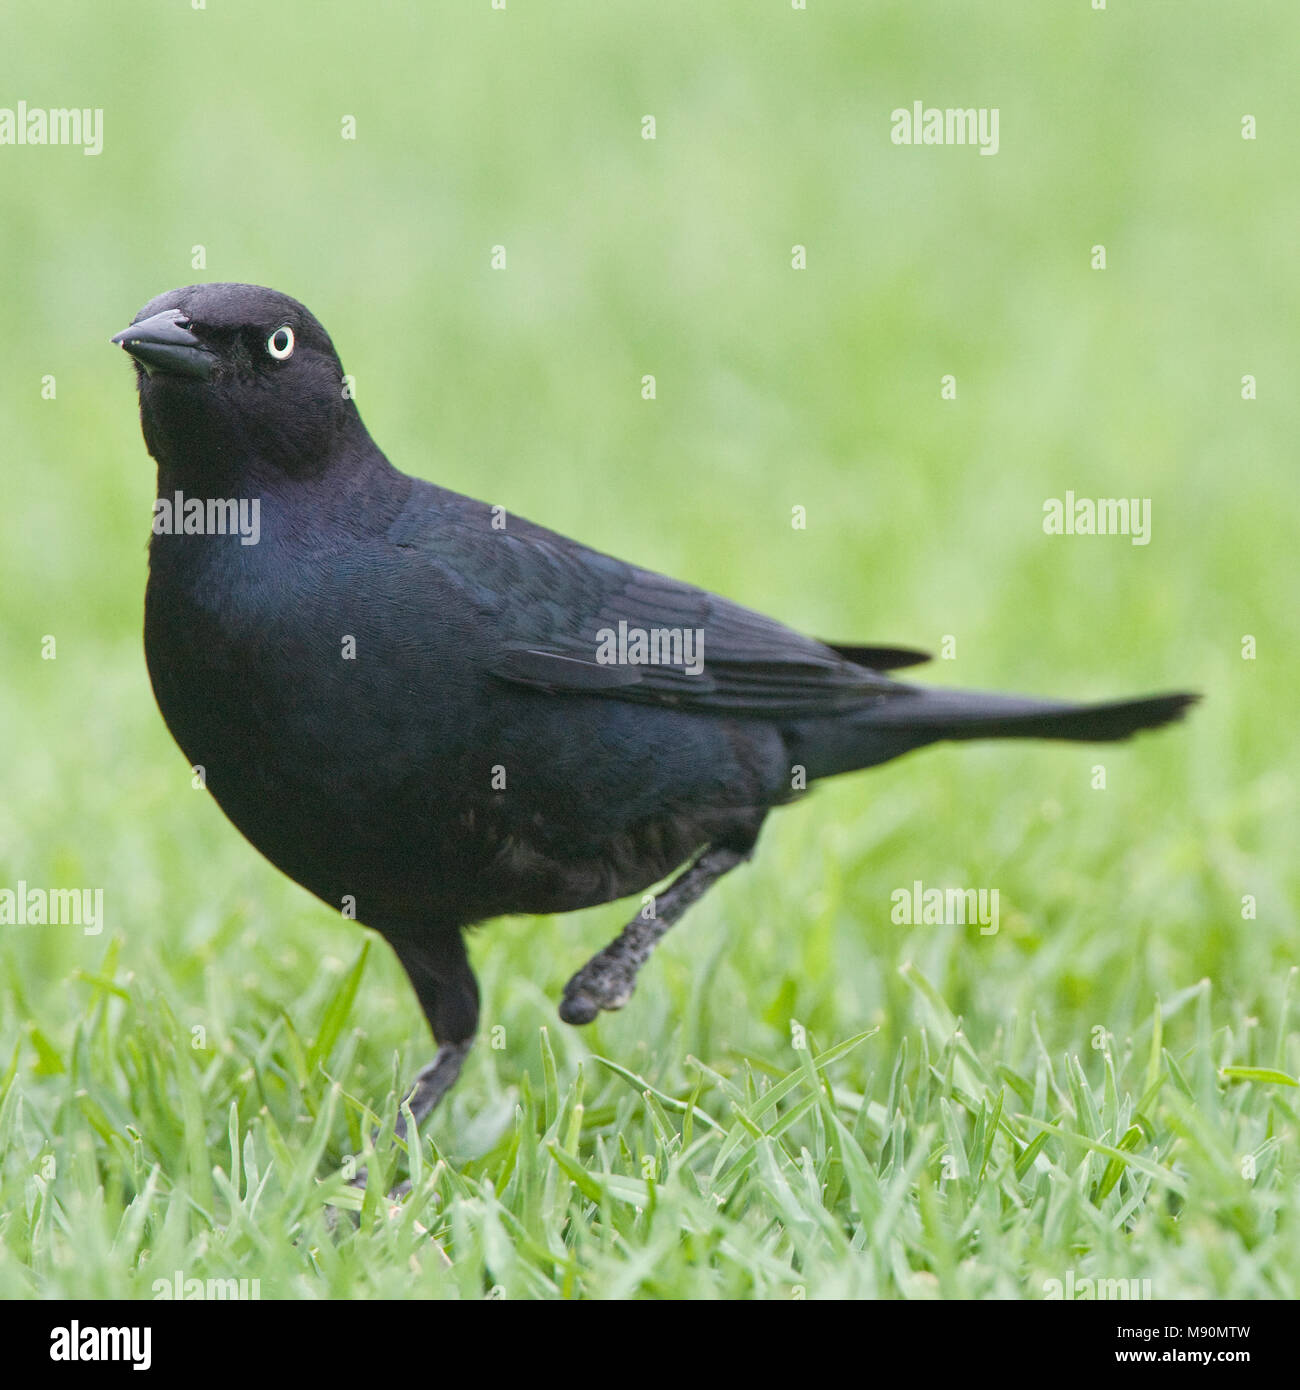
(922, 716)
(949, 714)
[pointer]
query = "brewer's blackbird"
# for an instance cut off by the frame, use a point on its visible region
(429, 712)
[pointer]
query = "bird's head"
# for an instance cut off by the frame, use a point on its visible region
(236, 377)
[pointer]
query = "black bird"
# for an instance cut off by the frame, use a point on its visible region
(427, 712)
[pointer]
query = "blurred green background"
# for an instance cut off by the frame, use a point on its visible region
(776, 388)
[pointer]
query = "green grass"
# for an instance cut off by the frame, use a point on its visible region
(1105, 1085)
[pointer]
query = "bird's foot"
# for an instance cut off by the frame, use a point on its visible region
(605, 983)
(433, 1082)
(607, 980)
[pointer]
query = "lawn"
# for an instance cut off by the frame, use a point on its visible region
(806, 1097)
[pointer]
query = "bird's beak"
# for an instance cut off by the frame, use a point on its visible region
(163, 344)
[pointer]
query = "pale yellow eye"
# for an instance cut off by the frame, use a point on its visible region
(280, 343)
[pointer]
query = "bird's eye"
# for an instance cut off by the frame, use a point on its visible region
(280, 343)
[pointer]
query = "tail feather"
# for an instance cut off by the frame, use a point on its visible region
(961, 714)
(897, 725)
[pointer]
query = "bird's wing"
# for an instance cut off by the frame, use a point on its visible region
(578, 621)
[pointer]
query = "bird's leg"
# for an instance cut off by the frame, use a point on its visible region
(433, 1082)
(609, 977)
(448, 993)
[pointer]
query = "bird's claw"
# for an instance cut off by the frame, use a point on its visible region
(592, 991)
